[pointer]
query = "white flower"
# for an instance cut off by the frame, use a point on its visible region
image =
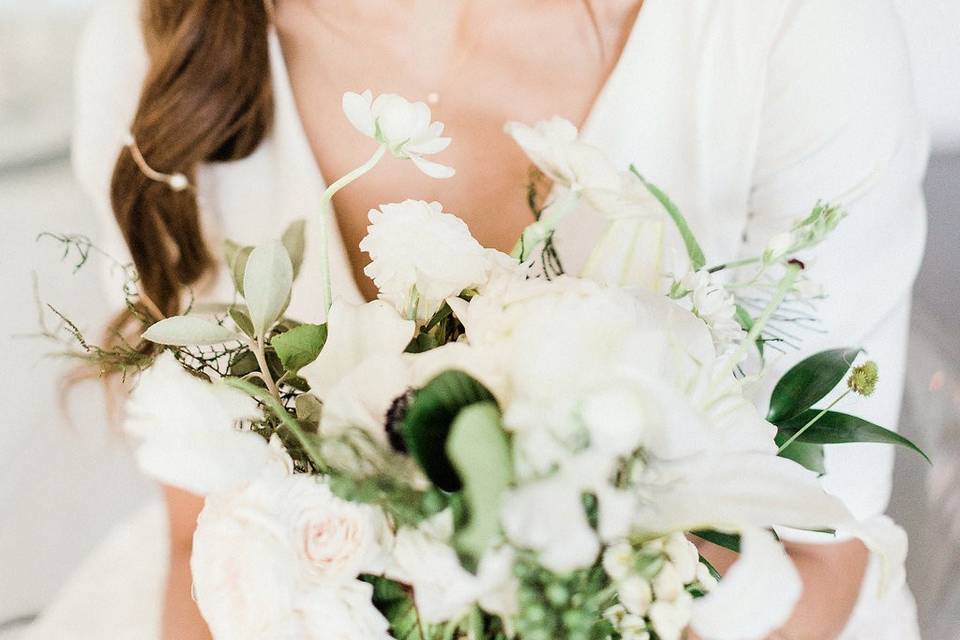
(283, 554)
(404, 127)
(344, 613)
(360, 371)
(618, 560)
(548, 516)
(715, 306)
(667, 584)
(552, 145)
(188, 430)
(420, 256)
(669, 618)
(778, 247)
(444, 590)
(684, 557)
(635, 594)
(629, 626)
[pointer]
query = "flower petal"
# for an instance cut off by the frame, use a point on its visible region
(356, 107)
(755, 597)
(433, 169)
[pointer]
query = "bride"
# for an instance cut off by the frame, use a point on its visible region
(745, 111)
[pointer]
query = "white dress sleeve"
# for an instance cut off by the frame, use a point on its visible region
(839, 124)
(110, 67)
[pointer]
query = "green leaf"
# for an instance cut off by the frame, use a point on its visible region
(294, 241)
(840, 428)
(237, 256)
(309, 408)
(478, 448)
(267, 281)
(299, 346)
(242, 320)
(184, 331)
(804, 454)
(729, 541)
(808, 382)
(396, 603)
(697, 259)
(427, 424)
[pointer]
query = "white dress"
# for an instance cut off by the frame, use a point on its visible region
(745, 111)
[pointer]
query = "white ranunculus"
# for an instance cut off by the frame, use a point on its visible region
(404, 127)
(419, 256)
(553, 146)
(548, 516)
(188, 430)
(444, 590)
(267, 555)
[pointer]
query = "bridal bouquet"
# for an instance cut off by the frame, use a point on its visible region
(496, 449)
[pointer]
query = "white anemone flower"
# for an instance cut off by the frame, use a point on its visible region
(403, 127)
(420, 256)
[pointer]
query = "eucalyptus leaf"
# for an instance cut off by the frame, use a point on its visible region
(242, 320)
(186, 331)
(478, 448)
(809, 382)
(237, 256)
(267, 281)
(840, 428)
(695, 253)
(294, 240)
(299, 346)
(309, 408)
(426, 425)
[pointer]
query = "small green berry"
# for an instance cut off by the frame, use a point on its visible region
(863, 379)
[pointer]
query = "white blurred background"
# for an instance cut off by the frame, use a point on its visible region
(64, 484)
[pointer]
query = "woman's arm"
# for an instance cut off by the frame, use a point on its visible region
(181, 617)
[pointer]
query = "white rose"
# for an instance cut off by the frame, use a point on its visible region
(420, 256)
(260, 553)
(188, 430)
(404, 127)
(444, 590)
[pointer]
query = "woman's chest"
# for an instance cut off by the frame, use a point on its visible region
(475, 77)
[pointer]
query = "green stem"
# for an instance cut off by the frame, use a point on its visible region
(783, 288)
(259, 350)
(281, 412)
(817, 417)
(736, 263)
(326, 211)
(540, 230)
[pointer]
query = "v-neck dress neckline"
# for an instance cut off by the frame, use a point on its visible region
(290, 132)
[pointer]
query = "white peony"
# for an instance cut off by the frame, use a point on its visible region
(444, 590)
(280, 555)
(419, 256)
(404, 127)
(188, 430)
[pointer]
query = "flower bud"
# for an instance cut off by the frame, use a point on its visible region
(863, 379)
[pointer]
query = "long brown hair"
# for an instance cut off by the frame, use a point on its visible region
(206, 98)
